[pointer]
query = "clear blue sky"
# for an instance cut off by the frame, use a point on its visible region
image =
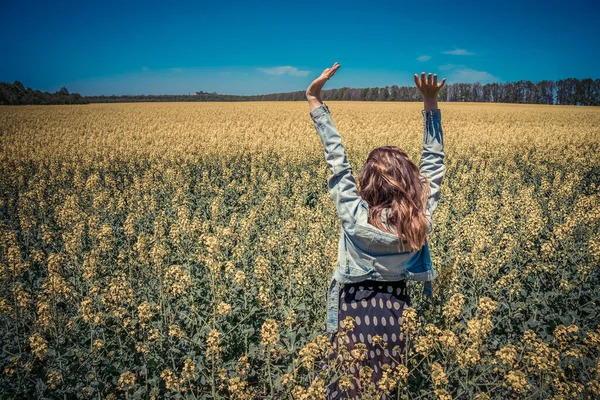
(253, 47)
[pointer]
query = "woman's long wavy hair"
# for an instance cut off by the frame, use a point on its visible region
(389, 179)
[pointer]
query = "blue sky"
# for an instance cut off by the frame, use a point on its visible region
(255, 47)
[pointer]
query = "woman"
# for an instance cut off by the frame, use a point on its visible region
(383, 240)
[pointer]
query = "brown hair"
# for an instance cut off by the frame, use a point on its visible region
(389, 179)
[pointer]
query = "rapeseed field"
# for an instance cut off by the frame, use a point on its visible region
(183, 250)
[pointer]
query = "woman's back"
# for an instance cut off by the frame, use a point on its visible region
(367, 294)
(365, 251)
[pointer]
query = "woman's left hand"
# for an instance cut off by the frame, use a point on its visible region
(313, 93)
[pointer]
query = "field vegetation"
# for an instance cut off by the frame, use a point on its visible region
(184, 250)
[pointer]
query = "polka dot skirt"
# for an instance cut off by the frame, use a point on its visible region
(376, 309)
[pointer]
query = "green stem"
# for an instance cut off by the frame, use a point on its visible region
(269, 371)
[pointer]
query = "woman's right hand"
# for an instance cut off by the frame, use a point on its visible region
(313, 93)
(429, 88)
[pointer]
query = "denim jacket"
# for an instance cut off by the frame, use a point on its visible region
(364, 251)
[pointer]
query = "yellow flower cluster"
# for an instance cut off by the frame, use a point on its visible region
(313, 351)
(175, 331)
(98, 344)
(392, 377)
(478, 329)
(540, 357)
(238, 388)
(239, 278)
(153, 334)
(517, 382)
(20, 295)
(269, 333)
(508, 355)
(469, 356)
(171, 380)
(425, 343)
(39, 346)
(213, 345)
(126, 381)
(5, 307)
(11, 366)
(118, 294)
(442, 394)
(564, 335)
(88, 313)
(316, 391)
(142, 348)
(438, 376)
(145, 313)
(189, 370)
(44, 314)
(486, 307)
(177, 280)
(453, 307)
(410, 322)
(54, 379)
(56, 286)
(223, 309)
(261, 268)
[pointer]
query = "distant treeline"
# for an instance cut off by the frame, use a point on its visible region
(17, 94)
(570, 91)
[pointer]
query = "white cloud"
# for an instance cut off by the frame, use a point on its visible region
(145, 69)
(459, 52)
(423, 58)
(285, 70)
(176, 69)
(446, 67)
(469, 75)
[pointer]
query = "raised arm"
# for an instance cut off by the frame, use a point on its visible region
(432, 158)
(341, 183)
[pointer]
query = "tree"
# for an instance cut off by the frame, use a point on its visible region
(442, 93)
(544, 92)
(384, 94)
(363, 94)
(394, 93)
(477, 92)
(372, 94)
(565, 91)
(584, 92)
(596, 93)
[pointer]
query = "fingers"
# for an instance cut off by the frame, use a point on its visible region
(329, 72)
(417, 81)
(333, 69)
(431, 80)
(315, 87)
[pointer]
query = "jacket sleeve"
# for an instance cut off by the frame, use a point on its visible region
(432, 159)
(341, 183)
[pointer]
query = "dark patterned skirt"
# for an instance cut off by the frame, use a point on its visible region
(376, 310)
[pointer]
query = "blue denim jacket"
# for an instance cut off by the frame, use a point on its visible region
(364, 251)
